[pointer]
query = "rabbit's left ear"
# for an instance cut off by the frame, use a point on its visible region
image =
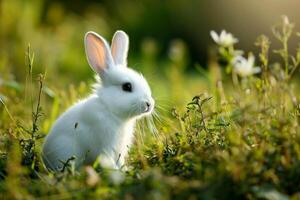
(119, 48)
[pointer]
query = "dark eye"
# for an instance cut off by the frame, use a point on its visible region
(127, 87)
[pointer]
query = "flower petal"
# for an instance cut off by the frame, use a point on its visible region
(214, 36)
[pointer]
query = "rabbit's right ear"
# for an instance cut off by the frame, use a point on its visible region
(119, 48)
(97, 52)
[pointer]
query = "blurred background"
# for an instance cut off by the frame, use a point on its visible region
(167, 38)
(245, 140)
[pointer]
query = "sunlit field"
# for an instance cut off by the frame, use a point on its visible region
(226, 128)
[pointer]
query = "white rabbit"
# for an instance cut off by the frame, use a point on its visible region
(101, 126)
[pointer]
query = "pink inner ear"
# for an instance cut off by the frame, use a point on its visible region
(96, 53)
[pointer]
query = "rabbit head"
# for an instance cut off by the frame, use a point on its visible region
(124, 92)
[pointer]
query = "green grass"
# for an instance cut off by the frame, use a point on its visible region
(216, 138)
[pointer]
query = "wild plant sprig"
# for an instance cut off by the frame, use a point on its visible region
(295, 60)
(263, 43)
(37, 113)
(198, 101)
(283, 32)
(28, 145)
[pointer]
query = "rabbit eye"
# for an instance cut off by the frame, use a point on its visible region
(127, 87)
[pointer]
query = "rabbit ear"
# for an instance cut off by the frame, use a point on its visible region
(119, 48)
(97, 52)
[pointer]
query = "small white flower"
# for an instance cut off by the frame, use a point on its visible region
(286, 20)
(245, 67)
(116, 177)
(224, 39)
(92, 176)
(248, 91)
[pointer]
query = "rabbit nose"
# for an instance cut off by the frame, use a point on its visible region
(148, 106)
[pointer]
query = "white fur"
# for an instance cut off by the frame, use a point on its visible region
(101, 126)
(119, 48)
